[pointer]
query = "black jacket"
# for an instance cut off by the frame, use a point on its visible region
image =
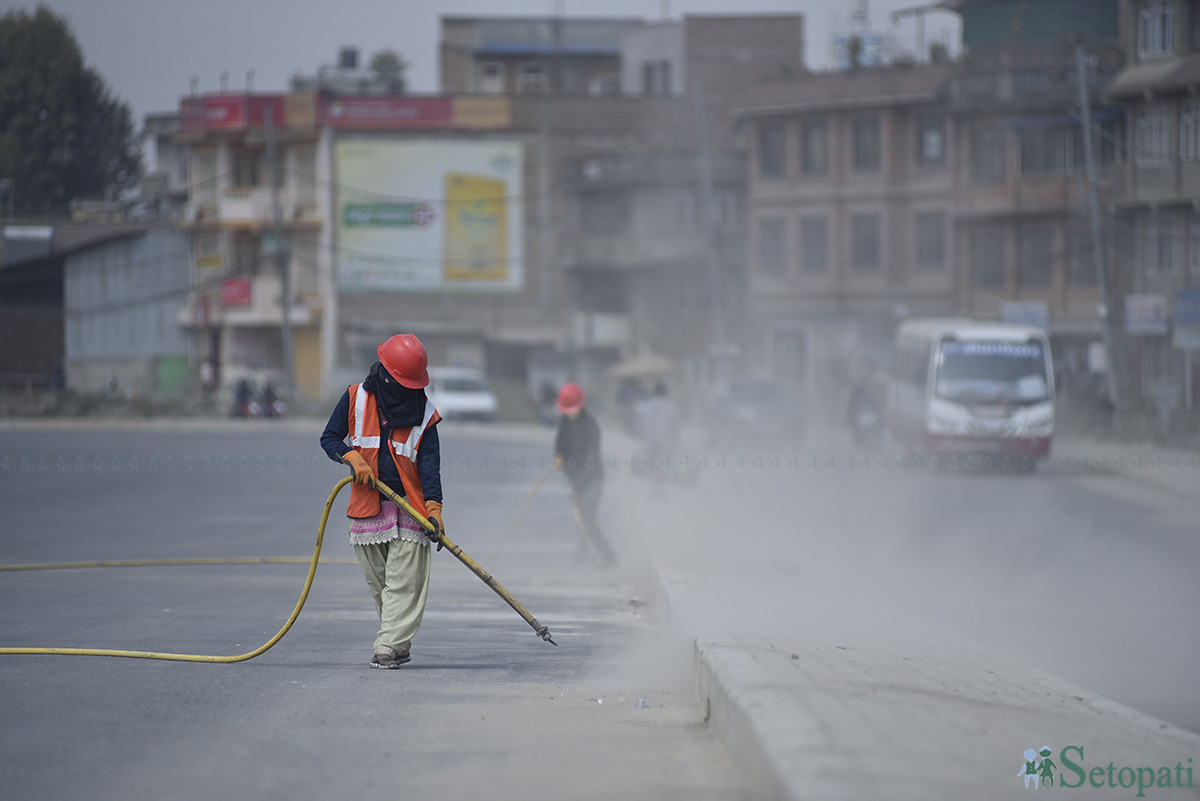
(578, 443)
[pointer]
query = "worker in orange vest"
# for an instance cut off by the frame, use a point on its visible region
(385, 429)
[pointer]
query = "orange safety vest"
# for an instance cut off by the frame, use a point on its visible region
(365, 438)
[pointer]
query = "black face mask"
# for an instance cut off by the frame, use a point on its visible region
(399, 406)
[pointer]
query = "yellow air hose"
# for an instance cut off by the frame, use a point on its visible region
(312, 569)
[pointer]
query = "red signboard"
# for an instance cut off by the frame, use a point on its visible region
(387, 112)
(229, 112)
(237, 112)
(235, 292)
(212, 113)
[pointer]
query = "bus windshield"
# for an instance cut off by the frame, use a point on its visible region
(991, 372)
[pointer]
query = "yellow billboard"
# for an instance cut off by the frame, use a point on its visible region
(429, 215)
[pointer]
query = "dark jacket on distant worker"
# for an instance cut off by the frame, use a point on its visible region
(578, 443)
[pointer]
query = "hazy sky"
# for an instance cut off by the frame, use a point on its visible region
(148, 51)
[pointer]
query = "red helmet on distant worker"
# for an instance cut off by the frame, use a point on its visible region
(570, 398)
(404, 357)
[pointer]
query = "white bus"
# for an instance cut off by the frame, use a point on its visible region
(965, 386)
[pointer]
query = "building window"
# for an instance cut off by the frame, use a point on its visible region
(1153, 146)
(866, 144)
(1154, 28)
(814, 245)
(772, 254)
(931, 241)
(770, 150)
(1036, 256)
(1189, 130)
(931, 140)
(246, 249)
(987, 258)
(1108, 141)
(864, 228)
(1048, 148)
(1158, 245)
(814, 148)
(247, 167)
(490, 78)
(1080, 270)
(987, 155)
(531, 79)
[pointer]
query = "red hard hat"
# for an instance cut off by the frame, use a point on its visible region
(570, 398)
(404, 357)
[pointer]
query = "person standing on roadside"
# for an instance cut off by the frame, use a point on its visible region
(393, 439)
(577, 454)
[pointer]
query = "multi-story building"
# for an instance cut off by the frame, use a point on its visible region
(959, 188)
(1155, 198)
(645, 224)
(849, 213)
(362, 253)
(539, 227)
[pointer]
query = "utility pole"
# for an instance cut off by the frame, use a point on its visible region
(1110, 320)
(719, 347)
(281, 252)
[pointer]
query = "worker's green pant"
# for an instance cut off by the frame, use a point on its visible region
(397, 575)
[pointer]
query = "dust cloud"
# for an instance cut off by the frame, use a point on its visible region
(824, 542)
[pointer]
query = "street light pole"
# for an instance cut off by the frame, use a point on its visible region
(280, 252)
(1109, 322)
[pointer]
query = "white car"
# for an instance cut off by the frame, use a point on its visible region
(461, 393)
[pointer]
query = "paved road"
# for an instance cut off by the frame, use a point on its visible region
(859, 613)
(485, 709)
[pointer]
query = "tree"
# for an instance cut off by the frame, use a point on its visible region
(389, 68)
(62, 135)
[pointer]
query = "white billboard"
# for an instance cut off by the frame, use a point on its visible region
(429, 215)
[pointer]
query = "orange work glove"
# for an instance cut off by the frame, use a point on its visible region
(362, 470)
(434, 516)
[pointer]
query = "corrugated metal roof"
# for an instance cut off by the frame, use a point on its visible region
(72, 236)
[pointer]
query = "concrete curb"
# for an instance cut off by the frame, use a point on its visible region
(849, 719)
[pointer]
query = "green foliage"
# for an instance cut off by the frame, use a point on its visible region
(62, 135)
(854, 52)
(388, 65)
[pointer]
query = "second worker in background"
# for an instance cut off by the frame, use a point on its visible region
(577, 454)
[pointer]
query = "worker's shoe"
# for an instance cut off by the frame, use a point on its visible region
(387, 658)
